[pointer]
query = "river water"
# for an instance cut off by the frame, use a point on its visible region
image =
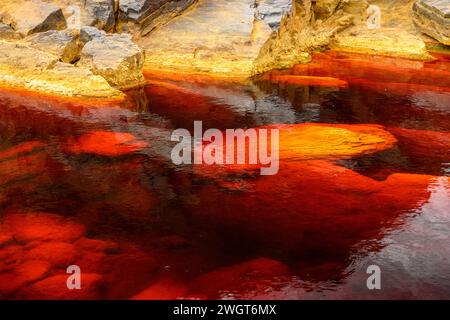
(363, 181)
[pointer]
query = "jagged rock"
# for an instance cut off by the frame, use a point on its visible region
(145, 15)
(6, 32)
(32, 16)
(325, 8)
(300, 33)
(100, 14)
(432, 17)
(88, 33)
(116, 58)
(65, 44)
(271, 11)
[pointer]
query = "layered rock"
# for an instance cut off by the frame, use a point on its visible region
(100, 14)
(433, 18)
(32, 16)
(337, 24)
(116, 58)
(65, 44)
(215, 36)
(302, 32)
(385, 41)
(146, 15)
(26, 67)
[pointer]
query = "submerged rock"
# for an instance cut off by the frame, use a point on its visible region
(65, 44)
(116, 58)
(433, 18)
(32, 16)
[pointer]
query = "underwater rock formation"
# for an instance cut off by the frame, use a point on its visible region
(433, 18)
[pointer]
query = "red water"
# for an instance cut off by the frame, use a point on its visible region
(363, 180)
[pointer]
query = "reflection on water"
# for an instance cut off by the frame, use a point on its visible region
(92, 184)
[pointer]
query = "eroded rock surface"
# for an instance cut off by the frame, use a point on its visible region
(215, 36)
(65, 44)
(433, 18)
(116, 58)
(32, 16)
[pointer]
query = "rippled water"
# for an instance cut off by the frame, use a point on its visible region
(92, 184)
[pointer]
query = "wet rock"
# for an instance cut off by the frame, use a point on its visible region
(164, 289)
(56, 253)
(100, 14)
(6, 32)
(64, 44)
(116, 58)
(21, 275)
(248, 279)
(55, 288)
(432, 17)
(88, 33)
(32, 16)
(106, 143)
(29, 227)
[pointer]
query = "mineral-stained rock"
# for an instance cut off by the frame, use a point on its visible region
(22, 57)
(116, 58)
(100, 14)
(6, 32)
(149, 14)
(88, 33)
(214, 36)
(32, 16)
(385, 41)
(433, 18)
(300, 33)
(106, 143)
(55, 288)
(65, 44)
(42, 226)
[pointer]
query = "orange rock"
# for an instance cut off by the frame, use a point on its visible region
(309, 81)
(23, 274)
(309, 206)
(249, 278)
(55, 288)
(162, 290)
(41, 226)
(106, 143)
(60, 254)
(24, 147)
